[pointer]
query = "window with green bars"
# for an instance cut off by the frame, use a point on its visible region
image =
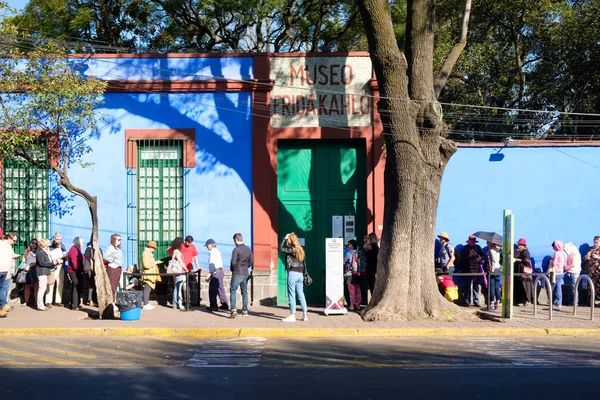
(25, 200)
(160, 188)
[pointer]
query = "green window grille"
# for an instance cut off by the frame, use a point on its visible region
(160, 193)
(25, 199)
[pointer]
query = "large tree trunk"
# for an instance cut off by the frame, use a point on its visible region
(416, 155)
(103, 289)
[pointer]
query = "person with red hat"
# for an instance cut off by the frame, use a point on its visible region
(470, 258)
(523, 265)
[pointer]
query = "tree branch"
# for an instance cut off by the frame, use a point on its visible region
(66, 183)
(442, 77)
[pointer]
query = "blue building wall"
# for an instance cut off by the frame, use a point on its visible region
(219, 187)
(550, 190)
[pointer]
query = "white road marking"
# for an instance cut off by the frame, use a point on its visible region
(229, 353)
(519, 353)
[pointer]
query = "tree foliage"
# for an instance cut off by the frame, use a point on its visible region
(46, 105)
(536, 55)
(198, 25)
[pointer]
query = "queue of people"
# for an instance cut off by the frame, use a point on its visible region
(52, 276)
(57, 277)
(564, 266)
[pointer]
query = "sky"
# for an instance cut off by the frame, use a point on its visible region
(18, 4)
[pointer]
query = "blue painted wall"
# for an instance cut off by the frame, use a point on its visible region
(220, 187)
(551, 191)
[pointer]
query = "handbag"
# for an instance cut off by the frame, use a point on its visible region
(307, 279)
(22, 276)
(174, 267)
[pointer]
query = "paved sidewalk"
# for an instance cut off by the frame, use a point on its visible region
(266, 321)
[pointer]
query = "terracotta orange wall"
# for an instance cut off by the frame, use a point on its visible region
(264, 140)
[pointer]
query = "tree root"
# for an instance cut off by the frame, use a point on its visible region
(446, 313)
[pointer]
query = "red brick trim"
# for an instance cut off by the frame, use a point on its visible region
(264, 239)
(189, 86)
(132, 136)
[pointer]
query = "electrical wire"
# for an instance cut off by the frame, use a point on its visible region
(448, 117)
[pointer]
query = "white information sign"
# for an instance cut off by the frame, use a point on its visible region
(337, 226)
(349, 228)
(334, 276)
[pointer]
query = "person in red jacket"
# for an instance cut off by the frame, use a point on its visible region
(446, 285)
(75, 272)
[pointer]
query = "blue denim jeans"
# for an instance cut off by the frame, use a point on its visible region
(472, 290)
(495, 289)
(4, 288)
(557, 289)
(295, 286)
(242, 282)
(572, 279)
(179, 279)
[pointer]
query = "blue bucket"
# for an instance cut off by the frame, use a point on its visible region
(131, 315)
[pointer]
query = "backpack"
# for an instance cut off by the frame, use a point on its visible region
(361, 262)
(451, 293)
(456, 253)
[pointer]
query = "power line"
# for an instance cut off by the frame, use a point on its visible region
(483, 107)
(448, 120)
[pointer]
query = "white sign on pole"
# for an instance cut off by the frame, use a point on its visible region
(334, 276)
(337, 226)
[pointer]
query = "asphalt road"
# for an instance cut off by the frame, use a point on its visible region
(259, 368)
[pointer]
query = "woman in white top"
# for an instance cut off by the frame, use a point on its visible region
(113, 260)
(572, 268)
(177, 279)
(494, 266)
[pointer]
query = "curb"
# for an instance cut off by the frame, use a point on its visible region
(207, 333)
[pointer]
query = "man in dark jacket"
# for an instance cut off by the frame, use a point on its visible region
(241, 259)
(470, 257)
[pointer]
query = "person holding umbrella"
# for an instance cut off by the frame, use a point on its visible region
(470, 257)
(494, 266)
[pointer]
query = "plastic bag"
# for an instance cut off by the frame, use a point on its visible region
(129, 299)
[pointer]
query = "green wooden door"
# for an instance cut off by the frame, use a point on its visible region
(316, 180)
(160, 194)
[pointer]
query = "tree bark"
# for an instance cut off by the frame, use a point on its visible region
(103, 289)
(416, 155)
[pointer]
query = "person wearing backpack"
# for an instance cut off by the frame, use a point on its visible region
(355, 268)
(446, 257)
(572, 269)
(493, 264)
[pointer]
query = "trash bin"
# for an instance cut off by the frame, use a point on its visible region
(194, 290)
(130, 303)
